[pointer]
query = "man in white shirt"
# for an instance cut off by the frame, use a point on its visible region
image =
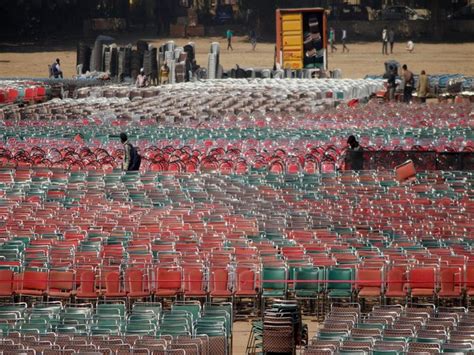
(344, 38)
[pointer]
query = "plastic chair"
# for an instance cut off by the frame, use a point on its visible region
(113, 286)
(61, 284)
(422, 282)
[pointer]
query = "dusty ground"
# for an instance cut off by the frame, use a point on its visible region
(364, 58)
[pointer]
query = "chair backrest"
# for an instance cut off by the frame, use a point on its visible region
(246, 280)
(168, 279)
(422, 278)
(396, 279)
(274, 278)
(340, 274)
(470, 276)
(369, 278)
(112, 282)
(61, 280)
(219, 280)
(450, 279)
(405, 171)
(135, 280)
(304, 275)
(6, 282)
(193, 279)
(34, 280)
(88, 281)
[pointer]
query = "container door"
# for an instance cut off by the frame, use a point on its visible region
(292, 40)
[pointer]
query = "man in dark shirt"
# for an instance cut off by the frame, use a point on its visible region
(391, 85)
(355, 156)
(409, 82)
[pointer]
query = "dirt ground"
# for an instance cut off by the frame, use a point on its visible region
(363, 58)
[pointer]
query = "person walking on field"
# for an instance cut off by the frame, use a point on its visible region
(409, 82)
(423, 87)
(253, 39)
(391, 39)
(56, 69)
(229, 36)
(332, 39)
(344, 38)
(384, 41)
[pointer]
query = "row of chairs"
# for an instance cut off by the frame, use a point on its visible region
(415, 328)
(146, 322)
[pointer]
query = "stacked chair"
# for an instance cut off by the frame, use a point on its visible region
(280, 331)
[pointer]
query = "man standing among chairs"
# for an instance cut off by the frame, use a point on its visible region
(131, 158)
(408, 84)
(355, 155)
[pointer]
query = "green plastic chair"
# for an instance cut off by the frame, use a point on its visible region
(277, 288)
(311, 290)
(338, 290)
(194, 308)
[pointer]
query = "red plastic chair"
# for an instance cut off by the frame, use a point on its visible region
(219, 286)
(87, 289)
(245, 283)
(194, 286)
(450, 283)
(6, 284)
(137, 284)
(469, 282)
(32, 284)
(113, 286)
(61, 284)
(396, 286)
(422, 282)
(369, 283)
(168, 282)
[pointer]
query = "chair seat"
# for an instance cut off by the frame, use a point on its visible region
(196, 293)
(395, 294)
(115, 294)
(422, 292)
(166, 293)
(452, 293)
(470, 292)
(30, 292)
(80, 294)
(306, 293)
(221, 293)
(339, 294)
(6, 294)
(370, 292)
(56, 293)
(273, 293)
(247, 293)
(138, 294)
